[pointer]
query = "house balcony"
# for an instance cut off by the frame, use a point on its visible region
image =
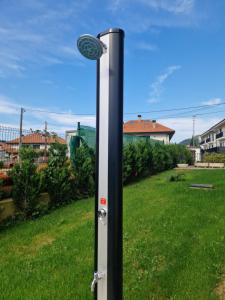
(202, 142)
(219, 135)
(215, 150)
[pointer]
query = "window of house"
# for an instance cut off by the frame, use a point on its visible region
(36, 146)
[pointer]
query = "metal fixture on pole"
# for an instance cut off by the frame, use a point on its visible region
(108, 50)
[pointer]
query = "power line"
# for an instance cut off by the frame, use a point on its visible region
(58, 113)
(172, 116)
(176, 109)
(159, 118)
(131, 113)
(189, 110)
(186, 116)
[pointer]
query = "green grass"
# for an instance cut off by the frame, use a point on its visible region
(174, 244)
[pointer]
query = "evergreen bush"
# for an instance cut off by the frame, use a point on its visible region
(58, 179)
(27, 183)
(84, 171)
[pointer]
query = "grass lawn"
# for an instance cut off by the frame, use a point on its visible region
(174, 244)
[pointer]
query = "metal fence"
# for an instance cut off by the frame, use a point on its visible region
(11, 139)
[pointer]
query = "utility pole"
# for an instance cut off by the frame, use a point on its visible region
(193, 134)
(22, 111)
(46, 128)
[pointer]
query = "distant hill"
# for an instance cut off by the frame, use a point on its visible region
(189, 141)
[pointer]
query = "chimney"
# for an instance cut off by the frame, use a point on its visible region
(154, 123)
(139, 117)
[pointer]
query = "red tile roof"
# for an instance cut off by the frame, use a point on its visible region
(38, 138)
(145, 126)
(8, 148)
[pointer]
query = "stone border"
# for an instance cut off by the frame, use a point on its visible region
(209, 165)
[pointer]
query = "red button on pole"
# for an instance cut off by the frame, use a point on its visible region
(103, 201)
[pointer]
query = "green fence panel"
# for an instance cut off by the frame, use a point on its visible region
(88, 134)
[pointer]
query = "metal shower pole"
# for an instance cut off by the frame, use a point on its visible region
(108, 207)
(108, 50)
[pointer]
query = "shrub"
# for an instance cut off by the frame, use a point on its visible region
(58, 180)
(214, 157)
(137, 160)
(161, 158)
(177, 177)
(129, 162)
(1, 164)
(143, 157)
(84, 170)
(27, 183)
(180, 154)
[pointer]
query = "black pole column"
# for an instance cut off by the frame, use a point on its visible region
(115, 211)
(109, 142)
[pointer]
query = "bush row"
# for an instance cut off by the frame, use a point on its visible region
(143, 158)
(65, 181)
(214, 157)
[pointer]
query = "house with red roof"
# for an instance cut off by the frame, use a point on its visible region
(36, 140)
(149, 128)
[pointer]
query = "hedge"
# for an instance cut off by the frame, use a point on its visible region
(214, 157)
(144, 158)
(65, 181)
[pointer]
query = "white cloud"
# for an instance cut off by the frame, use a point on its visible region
(34, 117)
(157, 86)
(48, 82)
(173, 6)
(213, 101)
(63, 119)
(42, 38)
(149, 15)
(184, 126)
(146, 46)
(7, 106)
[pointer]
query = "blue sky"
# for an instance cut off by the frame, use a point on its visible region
(174, 57)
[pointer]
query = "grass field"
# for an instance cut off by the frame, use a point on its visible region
(174, 245)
